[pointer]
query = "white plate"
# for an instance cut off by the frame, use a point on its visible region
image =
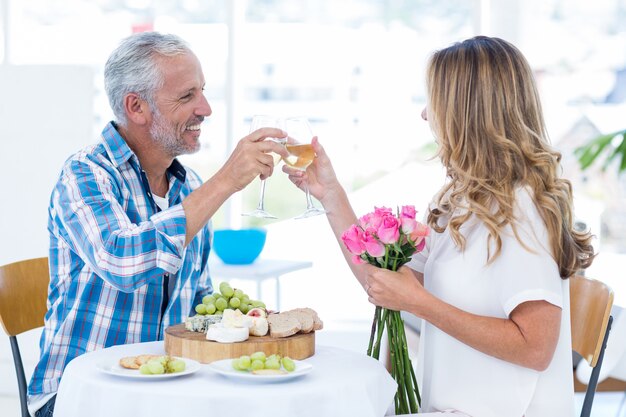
(225, 367)
(112, 367)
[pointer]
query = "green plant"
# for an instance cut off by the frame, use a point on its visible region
(604, 144)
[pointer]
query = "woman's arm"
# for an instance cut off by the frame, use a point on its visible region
(324, 186)
(527, 338)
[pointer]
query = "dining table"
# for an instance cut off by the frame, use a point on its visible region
(338, 382)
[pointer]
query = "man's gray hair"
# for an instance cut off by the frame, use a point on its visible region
(133, 68)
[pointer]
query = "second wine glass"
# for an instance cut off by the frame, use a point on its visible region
(257, 123)
(301, 155)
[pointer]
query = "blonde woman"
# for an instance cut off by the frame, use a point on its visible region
(491, 284)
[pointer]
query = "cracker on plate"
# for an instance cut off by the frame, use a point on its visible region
(129, 363)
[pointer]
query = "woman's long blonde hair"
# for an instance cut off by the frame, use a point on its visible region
(485, 112)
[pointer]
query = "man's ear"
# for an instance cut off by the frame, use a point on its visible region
(137, 109)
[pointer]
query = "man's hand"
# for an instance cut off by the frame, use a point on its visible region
(252, 157)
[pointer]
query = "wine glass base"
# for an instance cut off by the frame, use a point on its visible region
(261, 214)
(314, 211)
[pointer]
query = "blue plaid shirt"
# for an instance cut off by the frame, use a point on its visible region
(110, 248)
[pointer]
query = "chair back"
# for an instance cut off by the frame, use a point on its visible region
(590, 312)
(23, 295)
(23, 306)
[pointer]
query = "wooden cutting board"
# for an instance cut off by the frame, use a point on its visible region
(193, 345)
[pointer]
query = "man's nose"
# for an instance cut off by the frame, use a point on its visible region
(204, 109)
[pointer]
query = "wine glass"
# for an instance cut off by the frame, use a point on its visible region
(257, 123)
(301, 155)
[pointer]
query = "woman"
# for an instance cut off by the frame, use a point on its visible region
(491, 283)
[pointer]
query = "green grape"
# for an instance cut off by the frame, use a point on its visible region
(244, 308)
(210, 308)
(288, 364)
(156, 367)
(257, 304)
(258, 356)
(245, 299)
(207, 299)
(274, 357)
(201, 309)
(221, 304)
(245, 362)
(239, 293)
(226, 289)
(272, 364)
(234, 302)
(236, 364)
(176, 365)
(216, 295)
(256, 364)
(144, 369)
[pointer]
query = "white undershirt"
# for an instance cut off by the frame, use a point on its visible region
(162, 202)
(456, 376)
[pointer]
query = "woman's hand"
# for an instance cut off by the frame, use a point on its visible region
(320, 175)
(399, 290)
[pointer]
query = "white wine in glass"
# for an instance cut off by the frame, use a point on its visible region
(301, 155)
(257, 123)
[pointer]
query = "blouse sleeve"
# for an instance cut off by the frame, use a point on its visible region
(527, 272)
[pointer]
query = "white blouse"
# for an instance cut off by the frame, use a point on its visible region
(456, 376)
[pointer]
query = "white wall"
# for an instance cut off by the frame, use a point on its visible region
(46, 113)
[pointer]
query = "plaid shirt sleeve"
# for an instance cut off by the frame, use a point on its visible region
(125, 253)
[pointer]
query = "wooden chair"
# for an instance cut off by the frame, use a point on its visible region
(23, 299)
(590, 312)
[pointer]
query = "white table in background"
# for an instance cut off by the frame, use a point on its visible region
(258, 271)
(342, 383)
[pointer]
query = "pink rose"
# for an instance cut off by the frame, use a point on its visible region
(419, 233)
(353, 239)
(373, 245)
(375, 218)
(382, 211)
(364, 220)
(388, 232)
(408, 225)
(408, 212)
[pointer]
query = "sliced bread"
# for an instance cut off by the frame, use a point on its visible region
(305, 318)
(283, 325)
(318, 324)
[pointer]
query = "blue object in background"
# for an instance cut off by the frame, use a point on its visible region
(239, 247)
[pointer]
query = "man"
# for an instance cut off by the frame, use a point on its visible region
(129, 225)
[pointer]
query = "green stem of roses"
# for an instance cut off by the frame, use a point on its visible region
(374, 323)
(407, 398)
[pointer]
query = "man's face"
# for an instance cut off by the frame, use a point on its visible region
(180, 105)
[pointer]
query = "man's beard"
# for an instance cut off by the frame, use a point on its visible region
(165, 135)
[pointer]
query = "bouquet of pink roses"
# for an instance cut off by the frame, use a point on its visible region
(387, 241)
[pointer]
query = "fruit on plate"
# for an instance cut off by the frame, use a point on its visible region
(258, 363)
(162, 365)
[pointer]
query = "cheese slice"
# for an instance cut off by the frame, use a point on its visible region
(221, 334)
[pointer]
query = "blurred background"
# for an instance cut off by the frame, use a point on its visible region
(355, 68)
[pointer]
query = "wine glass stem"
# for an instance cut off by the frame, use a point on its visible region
(309, 202)
(261, 205)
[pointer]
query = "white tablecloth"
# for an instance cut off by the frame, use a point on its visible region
(342, 383)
